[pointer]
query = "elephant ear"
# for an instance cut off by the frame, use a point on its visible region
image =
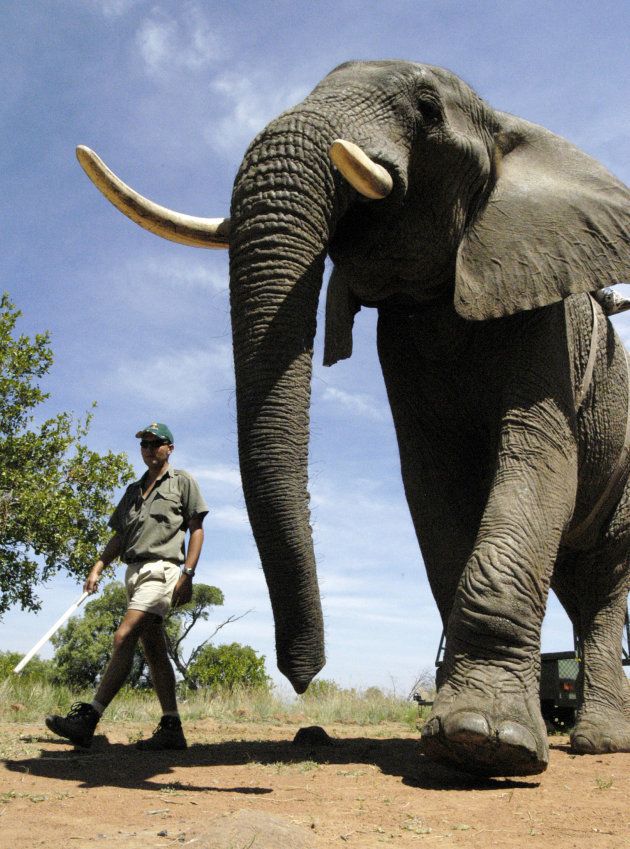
(556, 223)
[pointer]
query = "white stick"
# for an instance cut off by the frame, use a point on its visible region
(49, 633)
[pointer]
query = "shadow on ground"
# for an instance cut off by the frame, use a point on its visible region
(119, 765)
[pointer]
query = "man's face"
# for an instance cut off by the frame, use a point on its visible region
(155, 452)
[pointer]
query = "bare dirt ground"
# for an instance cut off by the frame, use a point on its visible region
(247, 786)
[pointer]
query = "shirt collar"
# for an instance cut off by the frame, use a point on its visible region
(167, 474)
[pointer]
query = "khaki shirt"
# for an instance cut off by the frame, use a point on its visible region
(154, 528)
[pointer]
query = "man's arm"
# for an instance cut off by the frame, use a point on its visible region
(183, 588)
(110, 552)
(195, 543)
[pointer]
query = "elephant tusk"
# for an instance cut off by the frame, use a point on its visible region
(185, 229)
(367, 177)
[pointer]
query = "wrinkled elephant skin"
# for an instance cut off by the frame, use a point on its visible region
(478, 237)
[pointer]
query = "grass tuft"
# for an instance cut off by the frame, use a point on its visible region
(25, 701)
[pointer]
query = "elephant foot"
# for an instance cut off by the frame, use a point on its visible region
(595, 735)
(478, 736)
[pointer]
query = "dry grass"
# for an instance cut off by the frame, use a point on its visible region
(23, 700)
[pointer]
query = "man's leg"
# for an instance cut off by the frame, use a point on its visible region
(119, 666)
(154, 644)
(78, 726)
(169, 733)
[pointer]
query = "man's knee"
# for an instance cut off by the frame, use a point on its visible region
(124, 638)
(130, 630)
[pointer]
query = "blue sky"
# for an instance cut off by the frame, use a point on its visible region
(170, 94)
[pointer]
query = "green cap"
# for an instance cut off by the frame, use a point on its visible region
(158, 429)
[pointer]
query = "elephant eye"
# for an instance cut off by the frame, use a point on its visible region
(430, 110)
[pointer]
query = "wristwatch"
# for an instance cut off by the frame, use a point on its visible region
(189, 572)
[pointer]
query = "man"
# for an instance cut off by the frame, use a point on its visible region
(149, 525)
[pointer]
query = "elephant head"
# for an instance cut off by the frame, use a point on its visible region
(416, 188)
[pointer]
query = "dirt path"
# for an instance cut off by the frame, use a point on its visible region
(246, 786)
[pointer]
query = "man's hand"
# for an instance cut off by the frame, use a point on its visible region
(91, 582)
(182, 593)
(111, 552)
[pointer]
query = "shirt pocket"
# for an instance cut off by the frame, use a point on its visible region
(166, 507)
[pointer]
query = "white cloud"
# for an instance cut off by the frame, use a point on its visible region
(337, 583)
(177, 274)
(358, 404)
(182, 383)
(251, 103)
(167, 44)
(623, 329)
(230, 517)
(217, 473)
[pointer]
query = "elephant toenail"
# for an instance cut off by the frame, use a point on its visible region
(514, 734)
(582, 745)
(466, 726)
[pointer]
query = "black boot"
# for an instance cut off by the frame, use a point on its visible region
(78, 726)
(168, 735)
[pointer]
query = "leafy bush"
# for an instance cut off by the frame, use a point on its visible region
(374, 693)
(321, 688)
(228, 666)
(35, 670)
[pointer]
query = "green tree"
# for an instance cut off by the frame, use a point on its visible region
(55, 493)
(183, 619)
(228, 666)
(84, 646)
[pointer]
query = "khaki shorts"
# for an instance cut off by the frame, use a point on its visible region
(150, 586)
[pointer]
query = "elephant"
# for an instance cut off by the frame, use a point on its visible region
(487, 244)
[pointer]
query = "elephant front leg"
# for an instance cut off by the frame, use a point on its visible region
(486, 717)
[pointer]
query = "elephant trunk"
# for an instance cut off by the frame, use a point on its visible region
(283, 208)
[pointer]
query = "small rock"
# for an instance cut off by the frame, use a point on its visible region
(313, 735)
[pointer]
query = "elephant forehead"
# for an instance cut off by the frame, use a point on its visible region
(381, 75)
(393, 80)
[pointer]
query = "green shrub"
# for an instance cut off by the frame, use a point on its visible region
(35, 670)
(321, 688)
(374, 693)
(228, 666)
